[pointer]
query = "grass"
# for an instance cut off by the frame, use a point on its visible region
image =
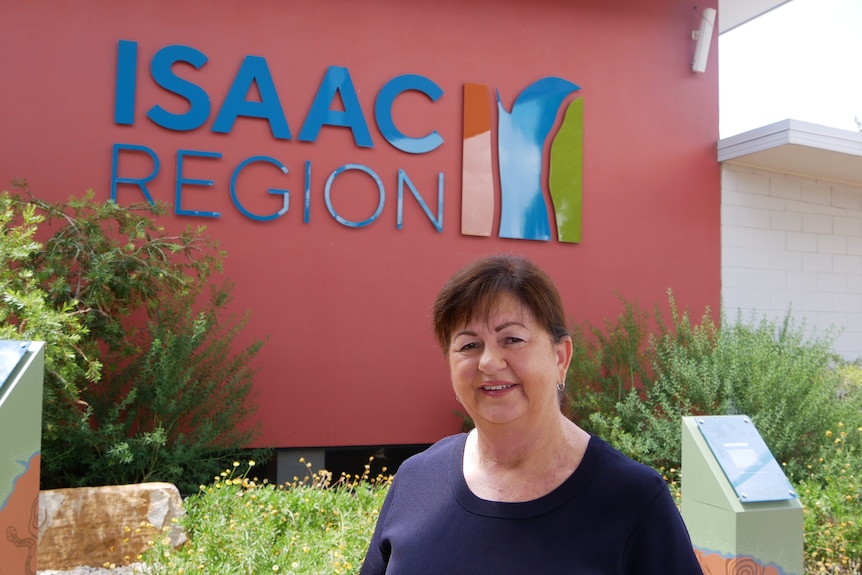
(831, 494)
(240, 526)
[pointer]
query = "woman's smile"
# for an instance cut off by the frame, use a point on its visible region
(497, 389)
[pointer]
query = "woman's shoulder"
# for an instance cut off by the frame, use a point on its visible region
(437, 458)
(620, 471)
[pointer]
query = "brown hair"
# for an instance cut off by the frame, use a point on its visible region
(475, 289)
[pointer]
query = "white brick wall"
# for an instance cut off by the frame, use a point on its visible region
(789, 242)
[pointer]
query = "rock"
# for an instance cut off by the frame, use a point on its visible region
(94, 526)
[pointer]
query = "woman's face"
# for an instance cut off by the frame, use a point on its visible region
(505, 368)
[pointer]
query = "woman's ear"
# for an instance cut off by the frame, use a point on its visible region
(564, 354)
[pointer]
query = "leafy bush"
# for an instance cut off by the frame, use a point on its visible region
(172, 413)
(625, 394)
(135, 377)
(782, 377)
(26, 313)
(238, 525)
(607, 363)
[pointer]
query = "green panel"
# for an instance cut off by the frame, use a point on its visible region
(565, 175)
(773, 533)
(702, 477)
(711, 529)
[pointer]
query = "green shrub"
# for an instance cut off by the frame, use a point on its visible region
(784, 378)
(607, 363)
(621, 388)
(139, 384)
(178, 412)
(26, 312)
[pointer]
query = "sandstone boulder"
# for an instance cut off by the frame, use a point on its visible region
(113, 524)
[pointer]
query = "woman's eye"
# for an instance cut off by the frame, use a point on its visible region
(513, 339)
(469, 346)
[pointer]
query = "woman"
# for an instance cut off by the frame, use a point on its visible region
(527, 491)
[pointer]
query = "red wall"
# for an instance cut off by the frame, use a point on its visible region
(350, 358)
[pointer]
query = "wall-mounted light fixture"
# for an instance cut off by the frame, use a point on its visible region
(704, 38)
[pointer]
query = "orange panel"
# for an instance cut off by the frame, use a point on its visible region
(477, 177)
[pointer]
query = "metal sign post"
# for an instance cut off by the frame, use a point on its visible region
(22, 366)
(736, 501)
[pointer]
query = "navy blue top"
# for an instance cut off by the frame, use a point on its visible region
(611, 516)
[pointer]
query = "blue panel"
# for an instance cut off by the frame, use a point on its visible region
(11, 353)
(745, 459)
(520, 141)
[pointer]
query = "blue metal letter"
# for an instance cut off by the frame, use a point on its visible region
(328, 189)
(178, 209)
(140, 182)
(307, 190)
(253, 70)
(402, 179)
(199, 101)
(124, 92)
(338, 80)
(273, 191)
(383, 113)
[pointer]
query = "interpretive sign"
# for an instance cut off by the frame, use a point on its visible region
(747, 463)
(11, 353)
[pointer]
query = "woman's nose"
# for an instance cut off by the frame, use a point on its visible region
(492, 360)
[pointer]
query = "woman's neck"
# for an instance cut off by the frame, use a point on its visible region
(505, 463)
(510, 446)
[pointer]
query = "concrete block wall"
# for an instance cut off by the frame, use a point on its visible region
(791, 242)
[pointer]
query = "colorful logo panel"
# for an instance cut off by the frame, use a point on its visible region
(521, 137)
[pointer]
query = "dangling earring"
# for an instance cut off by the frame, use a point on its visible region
(458, 399)
(561, 386)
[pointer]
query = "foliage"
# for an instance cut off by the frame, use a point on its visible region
(135, 379)
(26, 313)
(775, 372)
(830, 489)
(607, 363)
(171, 414)
(624, 395)
(238, 526)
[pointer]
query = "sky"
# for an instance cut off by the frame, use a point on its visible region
(802, 60)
